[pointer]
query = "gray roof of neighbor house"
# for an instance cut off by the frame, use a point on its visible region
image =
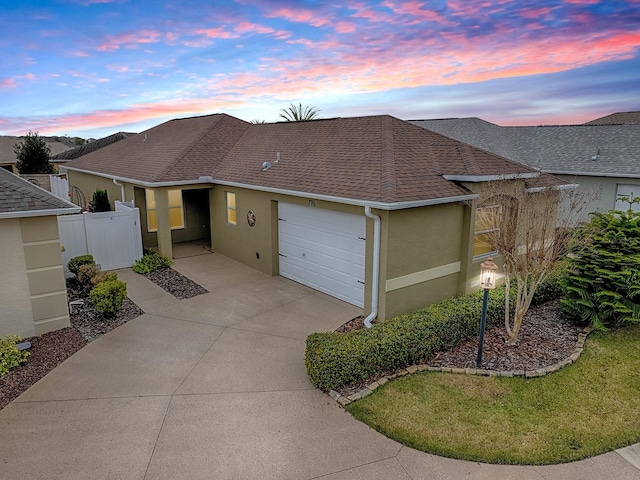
(7, 155)
(377, 158)
(597, 150)
(20, 198)
(618, 118)
(90, 147)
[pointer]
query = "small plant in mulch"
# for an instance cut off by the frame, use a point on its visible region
(10, 355)
(156, 267)
(150, 262)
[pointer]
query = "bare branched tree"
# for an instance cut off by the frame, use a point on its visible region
(531, 229)
(298, 113)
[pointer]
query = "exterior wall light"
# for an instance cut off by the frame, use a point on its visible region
(488, 273)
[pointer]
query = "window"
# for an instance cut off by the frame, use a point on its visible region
(487, 225)
(176, 211)
(231, 208)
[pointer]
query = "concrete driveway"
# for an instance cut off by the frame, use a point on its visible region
(214, 387)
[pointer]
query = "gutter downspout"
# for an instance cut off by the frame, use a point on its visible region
(376, 266)
(122, 195)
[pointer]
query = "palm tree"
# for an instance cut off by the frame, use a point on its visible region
(299, 113)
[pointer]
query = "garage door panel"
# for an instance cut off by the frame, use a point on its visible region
(323, 249)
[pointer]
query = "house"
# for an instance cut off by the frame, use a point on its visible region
(34, 295)
(371, 210)
(8, 156)
(602, 156)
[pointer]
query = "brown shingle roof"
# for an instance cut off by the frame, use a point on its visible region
(377, 158)
(177, 150)
(20, 196)
(618, 118)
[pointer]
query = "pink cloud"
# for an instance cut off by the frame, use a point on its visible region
(535, 13)
(414, 8)
(345, 27)
(80, 54)
(114, 42)
(8, 83)
(301, 15)
(115, 118)
(219, 32)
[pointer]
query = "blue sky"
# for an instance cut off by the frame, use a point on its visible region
(94, 67)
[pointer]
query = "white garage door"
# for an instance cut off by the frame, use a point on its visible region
(631, 192)
(323, 249)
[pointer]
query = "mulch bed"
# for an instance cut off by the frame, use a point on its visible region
(175, 283)
(546, 337)
(51, 349)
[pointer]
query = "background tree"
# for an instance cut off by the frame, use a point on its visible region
(33, 155)
(531, 230)
(298, 113)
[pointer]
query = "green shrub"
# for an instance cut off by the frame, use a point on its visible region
(334, 360)
(151, 261)
(103, 277)
(108, 297)
(100, 202)
(87, 272)
(10, 355)
(603, 281)
(76, 262)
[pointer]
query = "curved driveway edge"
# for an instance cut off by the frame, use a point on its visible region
(215, 387)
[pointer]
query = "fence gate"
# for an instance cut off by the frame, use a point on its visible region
(59, 186)
(113, 238)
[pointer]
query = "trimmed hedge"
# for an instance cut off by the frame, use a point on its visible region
(334, 360)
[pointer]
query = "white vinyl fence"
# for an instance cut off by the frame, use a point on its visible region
(113, 238)
(59, 187)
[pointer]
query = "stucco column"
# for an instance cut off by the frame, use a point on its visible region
(165, 246)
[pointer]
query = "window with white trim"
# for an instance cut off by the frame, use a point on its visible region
(488, 221)
(231, 208)
(176, 210)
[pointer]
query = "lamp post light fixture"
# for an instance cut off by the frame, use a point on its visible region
(488, 273)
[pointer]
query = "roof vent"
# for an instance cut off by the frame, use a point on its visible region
(596, 156)
(266, 166)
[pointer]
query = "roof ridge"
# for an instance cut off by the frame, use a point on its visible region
(388, 186)
(189, 148)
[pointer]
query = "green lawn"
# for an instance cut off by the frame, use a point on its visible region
(585, 409)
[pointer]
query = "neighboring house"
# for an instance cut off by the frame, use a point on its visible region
(619, 118)
(372, 210)
(92, 146)
(602, 155)
(8, 156)
(32, 285)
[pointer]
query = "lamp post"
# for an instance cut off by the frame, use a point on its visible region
(488, 272)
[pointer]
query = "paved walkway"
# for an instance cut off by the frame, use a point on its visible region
(214, 387)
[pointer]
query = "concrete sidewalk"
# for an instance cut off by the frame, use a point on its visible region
(214, 387)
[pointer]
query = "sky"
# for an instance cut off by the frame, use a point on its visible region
(91, 68)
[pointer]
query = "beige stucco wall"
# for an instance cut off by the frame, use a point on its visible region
(43, 261)
(16, 317)
(255, 246)
(601, 191)
(423, 256)
(34, 295)
(90, 183)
